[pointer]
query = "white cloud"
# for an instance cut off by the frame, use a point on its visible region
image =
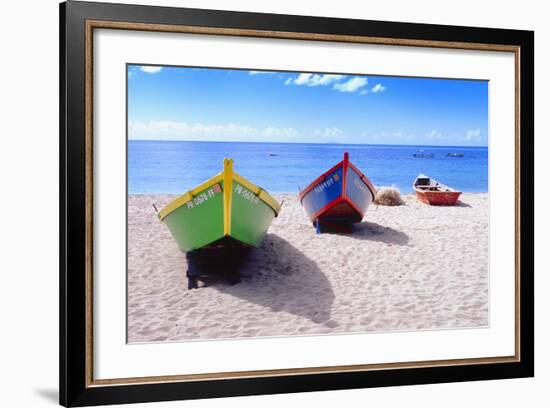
(302, 79)
(378, 88)
(402, 136)
(339, 82)
(150, 69)
(274, 131)
(364, 92)
(352, 85)
(387, 137)
(175, 130)
(324, 80)
(434, 135)
(260, 72)
(328, 132)
(314, 79)
(473, 134)
(470, 137)
(171, 130)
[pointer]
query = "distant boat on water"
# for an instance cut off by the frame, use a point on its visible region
(451, 154)
(423, 154)
(338, 197)
(272, 154)
(432, 192)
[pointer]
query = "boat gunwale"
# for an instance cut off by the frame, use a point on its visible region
(345, 164)
(365, 180)
(417, 190)
(259, 192)
(311, 185)
(190, 194)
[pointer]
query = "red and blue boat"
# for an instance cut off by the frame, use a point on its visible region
(339, 197)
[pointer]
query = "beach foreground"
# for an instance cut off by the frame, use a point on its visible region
(412, 267)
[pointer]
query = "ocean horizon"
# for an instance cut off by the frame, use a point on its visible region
(174, 167)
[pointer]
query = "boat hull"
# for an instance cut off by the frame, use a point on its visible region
(438, 198)
(432, 192)
(341, 195)
(250, 216)
(200, 221)
(226, 209)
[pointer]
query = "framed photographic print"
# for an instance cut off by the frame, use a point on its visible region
(256, 203)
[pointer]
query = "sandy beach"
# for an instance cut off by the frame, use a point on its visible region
(412, 267)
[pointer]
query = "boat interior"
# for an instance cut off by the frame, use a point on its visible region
(429, 184)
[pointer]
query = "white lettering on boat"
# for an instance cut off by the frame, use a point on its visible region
(360, 185)
(201, 198)
(324, 185)
(247, 194)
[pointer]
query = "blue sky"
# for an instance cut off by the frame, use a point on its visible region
(177, 103)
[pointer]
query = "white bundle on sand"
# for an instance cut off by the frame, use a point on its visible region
(388, 196)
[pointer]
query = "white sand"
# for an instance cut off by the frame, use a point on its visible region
(403, 268)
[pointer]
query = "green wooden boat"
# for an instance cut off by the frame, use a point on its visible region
(226, 208)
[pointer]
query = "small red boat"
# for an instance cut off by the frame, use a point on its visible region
(432, 192)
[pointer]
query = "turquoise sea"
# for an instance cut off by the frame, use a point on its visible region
(173, 167)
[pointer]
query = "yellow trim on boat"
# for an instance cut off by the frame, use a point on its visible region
(260, 192)
(227, 176)
(188, 196)
(227, 193)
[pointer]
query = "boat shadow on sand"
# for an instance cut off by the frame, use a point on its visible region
(279, 277)
(371, 231)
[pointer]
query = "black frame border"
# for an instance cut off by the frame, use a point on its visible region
(72, 255)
